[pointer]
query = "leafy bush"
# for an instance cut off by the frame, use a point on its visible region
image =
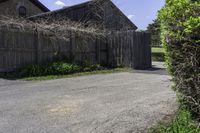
(49, 69)
(180, 25)
(182, 123)
(56, 68)
(160, 57)
(154, 29)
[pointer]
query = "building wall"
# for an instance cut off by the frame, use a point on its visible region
(11, 7)
(114, 19)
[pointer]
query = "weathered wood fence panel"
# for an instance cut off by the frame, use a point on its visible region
(130, 49)
(18, 49)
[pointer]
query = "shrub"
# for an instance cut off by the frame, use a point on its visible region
(180, 25)
(158, 57)
(57, 68)
(182, 123)
(154, 30)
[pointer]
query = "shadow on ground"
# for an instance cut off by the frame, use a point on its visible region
(157, 68)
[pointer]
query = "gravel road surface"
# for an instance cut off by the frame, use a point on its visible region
(128, 102)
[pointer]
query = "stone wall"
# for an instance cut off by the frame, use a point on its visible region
(11, 7)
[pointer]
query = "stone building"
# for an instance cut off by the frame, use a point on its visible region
(103, 13)
(21, 8)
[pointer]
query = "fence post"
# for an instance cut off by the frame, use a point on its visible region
(38, 44)
(70, 46)
(98, 51)
(111, 49)
(72, 43)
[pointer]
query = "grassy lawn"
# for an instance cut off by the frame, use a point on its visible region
(158, 54)
(158, 50)
(182, 123)
(52, 77)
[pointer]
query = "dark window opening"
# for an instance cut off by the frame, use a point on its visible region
(22, 11)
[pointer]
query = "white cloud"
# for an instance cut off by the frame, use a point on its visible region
(131, 16)
(60, 3)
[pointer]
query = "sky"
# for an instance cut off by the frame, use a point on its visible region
(140, 12)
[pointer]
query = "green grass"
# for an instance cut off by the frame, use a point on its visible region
(158, 50)
(158, 54)
(182, 123)
(52, 77)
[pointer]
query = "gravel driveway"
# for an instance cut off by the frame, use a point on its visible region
(127, 102)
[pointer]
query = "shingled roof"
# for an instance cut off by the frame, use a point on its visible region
(36, 3)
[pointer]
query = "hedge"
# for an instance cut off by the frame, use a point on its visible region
(180, 29)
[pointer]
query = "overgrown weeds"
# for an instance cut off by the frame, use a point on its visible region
(182, 123)
(56, 68)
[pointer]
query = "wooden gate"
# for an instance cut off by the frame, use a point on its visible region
(130, 49)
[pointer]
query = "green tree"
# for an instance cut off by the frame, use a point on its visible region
(154, 29)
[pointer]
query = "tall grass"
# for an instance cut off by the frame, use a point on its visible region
(182, 123)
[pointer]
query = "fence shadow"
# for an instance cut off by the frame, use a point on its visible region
(154, 70)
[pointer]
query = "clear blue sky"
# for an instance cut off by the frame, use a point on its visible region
(141, 12)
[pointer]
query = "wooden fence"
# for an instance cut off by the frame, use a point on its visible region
(18, 49)
(130, 49)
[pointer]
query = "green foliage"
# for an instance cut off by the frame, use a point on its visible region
(182, 123)
(56, 68)
(154, 29)
(51, 77)
(158, 54)
(180, 32)
(157, 50)
(192, 25)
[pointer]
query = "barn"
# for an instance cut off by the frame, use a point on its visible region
(103, 13)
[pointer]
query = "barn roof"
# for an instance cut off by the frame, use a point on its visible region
(66, 9)
(70, 8)
(36, 3)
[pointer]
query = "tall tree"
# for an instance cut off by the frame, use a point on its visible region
(155, 31)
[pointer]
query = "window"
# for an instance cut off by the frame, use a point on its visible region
(22, 11)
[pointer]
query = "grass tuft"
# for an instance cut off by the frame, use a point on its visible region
(182, 123)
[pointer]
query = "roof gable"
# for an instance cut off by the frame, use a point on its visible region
(121, 13)
(40, 5)
(89, 4)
